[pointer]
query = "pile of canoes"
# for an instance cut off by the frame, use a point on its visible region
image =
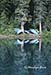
(33, 31)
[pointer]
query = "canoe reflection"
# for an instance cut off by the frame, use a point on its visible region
(35, 41)
(23, 42)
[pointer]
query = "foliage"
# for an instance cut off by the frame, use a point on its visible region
(11, 12)
(46, 34)
(40, 10)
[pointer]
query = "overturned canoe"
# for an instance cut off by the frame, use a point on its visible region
(33, 31)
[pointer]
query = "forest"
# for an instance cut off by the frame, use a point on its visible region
(38, 13)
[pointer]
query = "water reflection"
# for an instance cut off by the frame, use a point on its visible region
(24, 43)
(25, 57)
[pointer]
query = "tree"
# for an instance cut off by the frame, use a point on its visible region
(39, 12)
(49, 14)
(22, 9)
(11, 12)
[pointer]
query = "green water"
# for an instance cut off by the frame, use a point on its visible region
(28, 57)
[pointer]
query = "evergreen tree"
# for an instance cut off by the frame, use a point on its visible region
(39, 11)
(11, 12)
(49, 14)
(21, 10)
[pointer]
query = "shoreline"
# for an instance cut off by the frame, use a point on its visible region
(21, 36)
(26, 36)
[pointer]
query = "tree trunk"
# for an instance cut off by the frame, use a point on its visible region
(40, 27)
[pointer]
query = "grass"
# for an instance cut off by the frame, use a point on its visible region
(46, 34)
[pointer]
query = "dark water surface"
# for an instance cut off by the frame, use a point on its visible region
(25, 57)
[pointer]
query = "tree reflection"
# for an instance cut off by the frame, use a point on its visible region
(20, 59)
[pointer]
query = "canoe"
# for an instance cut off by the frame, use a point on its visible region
(33, 31)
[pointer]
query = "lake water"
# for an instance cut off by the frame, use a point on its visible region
(25, 57)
